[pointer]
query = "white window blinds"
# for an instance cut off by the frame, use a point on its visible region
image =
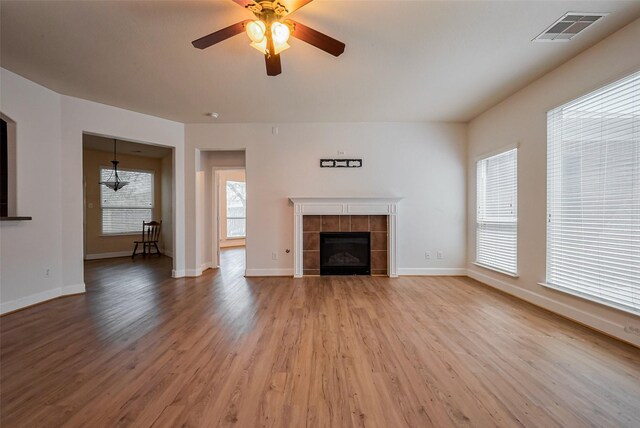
(593, 195)
(497, 216)
(125, 210)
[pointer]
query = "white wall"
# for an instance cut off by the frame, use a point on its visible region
(522, 119)
(422, 162)
(86, 116)
(49, 143)
(167, 204)
(28, 248)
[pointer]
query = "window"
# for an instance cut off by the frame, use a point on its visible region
(236, 209)
(497, 217)
(125, 210)
(593, 195)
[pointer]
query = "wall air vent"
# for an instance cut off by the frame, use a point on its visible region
(567, 27)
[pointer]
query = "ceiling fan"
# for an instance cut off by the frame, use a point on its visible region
(271, 31)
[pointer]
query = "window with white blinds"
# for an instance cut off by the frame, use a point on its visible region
(125, 210)
(497, 212)
(593, 195)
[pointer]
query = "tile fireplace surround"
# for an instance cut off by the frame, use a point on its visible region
(346, 214)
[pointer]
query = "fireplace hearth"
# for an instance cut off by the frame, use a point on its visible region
(345, 253)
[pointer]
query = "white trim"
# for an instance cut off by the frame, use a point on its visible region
(44, 296)
(193, 272)
(177, 273)
(588, 297)
(108, 255)
(503, 272)
(432, 271)
(497, 151)
(269, 272)
(72, 289)
(568, 311)
(206, 265)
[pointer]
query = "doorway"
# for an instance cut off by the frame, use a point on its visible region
(113, 219)
(231, 188)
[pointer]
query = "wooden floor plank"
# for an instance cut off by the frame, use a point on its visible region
(142, 349)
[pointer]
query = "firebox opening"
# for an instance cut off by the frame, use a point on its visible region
(345, 253)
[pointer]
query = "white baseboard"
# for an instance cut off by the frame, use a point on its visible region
(177, 273)
(33, 299)
(108, 255)
(432, 271)
(269, 272)
(606, 326)
(193, 272)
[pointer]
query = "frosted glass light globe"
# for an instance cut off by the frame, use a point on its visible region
(256, 31)
(280, 33)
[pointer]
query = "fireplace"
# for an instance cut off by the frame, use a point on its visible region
(345, 253)
(315, 215)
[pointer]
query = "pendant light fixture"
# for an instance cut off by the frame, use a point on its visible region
(114, 184)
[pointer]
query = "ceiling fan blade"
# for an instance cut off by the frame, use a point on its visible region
(291, 5)
(220, 35)
(274, 67)
(244, 3)
(317, 39)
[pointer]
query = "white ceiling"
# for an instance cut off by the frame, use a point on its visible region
(404, 61)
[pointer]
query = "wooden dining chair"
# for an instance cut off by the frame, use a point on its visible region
(150, 237)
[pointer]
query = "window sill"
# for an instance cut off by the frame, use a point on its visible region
(588, 298)
(504, 272)
(234, 238)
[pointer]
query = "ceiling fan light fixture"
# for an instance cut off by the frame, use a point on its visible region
(270, 30)
(261, 46)
(256, 30)
(280, 33)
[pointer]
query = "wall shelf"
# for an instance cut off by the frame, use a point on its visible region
(20, 218)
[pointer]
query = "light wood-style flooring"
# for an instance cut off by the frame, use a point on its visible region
(141, 349)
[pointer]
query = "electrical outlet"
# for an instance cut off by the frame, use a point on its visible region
(47, 271)
(633, 330)
(275, 130)
(427, 255)
(274, 256)
(440, 255)
(341, 153)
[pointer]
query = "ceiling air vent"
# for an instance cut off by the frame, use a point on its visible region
(567, 27)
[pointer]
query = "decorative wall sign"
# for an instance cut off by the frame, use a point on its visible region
(340, 163)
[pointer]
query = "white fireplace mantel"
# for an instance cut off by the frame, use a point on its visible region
(345, 206)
